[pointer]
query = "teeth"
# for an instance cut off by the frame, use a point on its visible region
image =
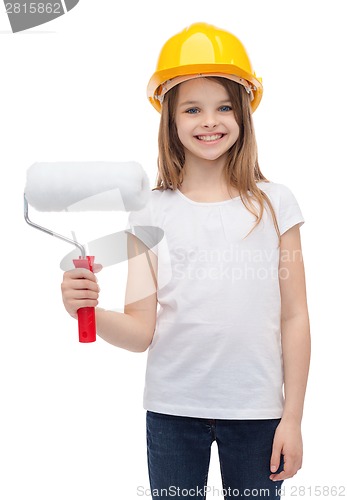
(209, 137)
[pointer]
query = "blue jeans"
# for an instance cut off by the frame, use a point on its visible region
(179, 448)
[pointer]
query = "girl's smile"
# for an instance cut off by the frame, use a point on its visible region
(210, 138)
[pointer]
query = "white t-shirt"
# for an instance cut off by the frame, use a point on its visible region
(216, 351)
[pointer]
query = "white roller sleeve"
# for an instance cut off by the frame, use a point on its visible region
(87, 186)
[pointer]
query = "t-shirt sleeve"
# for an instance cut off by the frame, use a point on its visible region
(290, 212)
(140, 223)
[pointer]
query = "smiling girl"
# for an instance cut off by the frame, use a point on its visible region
(232, 329)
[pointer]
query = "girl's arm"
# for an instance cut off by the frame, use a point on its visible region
(133, 330)
(295, 329)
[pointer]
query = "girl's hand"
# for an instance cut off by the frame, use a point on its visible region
(80, 289)
(288, 442)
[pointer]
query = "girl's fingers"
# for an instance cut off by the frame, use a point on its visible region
(79, 273)
(82, 294)
(97, 268)
(78, 304)
(80, 289)
(79, 279)
(83, 285)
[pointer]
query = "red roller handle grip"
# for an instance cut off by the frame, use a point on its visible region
(86, 315)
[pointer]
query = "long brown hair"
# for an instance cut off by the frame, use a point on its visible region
(242, 169)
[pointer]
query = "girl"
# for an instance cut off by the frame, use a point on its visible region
(232, 326)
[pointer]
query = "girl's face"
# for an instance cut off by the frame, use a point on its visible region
(205, 121)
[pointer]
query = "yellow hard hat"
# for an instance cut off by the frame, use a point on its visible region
(203, 50)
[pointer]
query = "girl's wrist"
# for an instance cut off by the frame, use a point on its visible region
(291, 418)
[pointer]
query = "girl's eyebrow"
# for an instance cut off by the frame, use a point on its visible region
(190, 103)
(186, 103)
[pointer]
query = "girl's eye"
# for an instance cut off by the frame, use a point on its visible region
(225, 108)
(192, 111)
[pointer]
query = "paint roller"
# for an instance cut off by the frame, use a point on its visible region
(84, 186)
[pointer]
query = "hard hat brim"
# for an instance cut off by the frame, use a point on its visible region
(159, 77)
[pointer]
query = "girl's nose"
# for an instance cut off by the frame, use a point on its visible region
(210, 120)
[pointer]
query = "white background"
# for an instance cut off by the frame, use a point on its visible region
(71, 419)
